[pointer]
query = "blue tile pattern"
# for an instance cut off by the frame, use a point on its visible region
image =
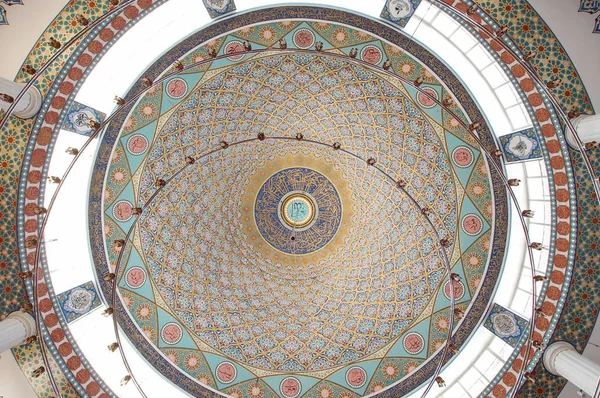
(79, 301)
(520, 146)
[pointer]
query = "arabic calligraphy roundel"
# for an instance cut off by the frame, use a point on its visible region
(298, 210)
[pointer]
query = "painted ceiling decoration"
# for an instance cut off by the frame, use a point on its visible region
(399, 11)
(220, 293)
(569, 93)
(3, 17)
(591, 7)
(217, 8)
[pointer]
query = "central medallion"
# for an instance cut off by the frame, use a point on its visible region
(298, 210)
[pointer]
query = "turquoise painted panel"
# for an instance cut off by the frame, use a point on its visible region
(177, 88)
(400, 348)
(136, 145)
(355, 377)
(135, 276)
(463, 156)
(279, 383)
(427, 105)
(471, 223)
(222, 367)
(461, 292)
(171, 334)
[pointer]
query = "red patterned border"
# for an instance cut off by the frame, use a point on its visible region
(32, 192)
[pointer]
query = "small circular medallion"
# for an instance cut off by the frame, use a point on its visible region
(356, 377)
(235, 47)
(472, 224)
(413, 343)
(459, 290)
(171, 333)
(424, 100)
(137, 144)
(505, 324)
(177, 88)
(463, 156)
(371, 54)
(290, 387)
(226, 372)
(304, 38)
(122, 210)
(135, 277)
(297, 210)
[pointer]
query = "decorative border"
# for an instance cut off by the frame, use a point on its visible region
(556, 156)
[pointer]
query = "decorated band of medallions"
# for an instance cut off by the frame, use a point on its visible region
(171, 333)
(177, 88)
(122, 211)
(137, 144)
(356, 377)
(233, 47)
(462, 156)
(425, 101)
(459, 290)
(371, 54)
(304, 38)
(135, 277)
(413, 343)
(290, 387)
(472, 224)
(226, 372)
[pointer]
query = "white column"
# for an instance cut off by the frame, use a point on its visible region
(28, 106)
(561, 359)
(15, 329)
(587, 127)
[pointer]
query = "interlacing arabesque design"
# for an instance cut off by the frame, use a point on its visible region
(551, 144)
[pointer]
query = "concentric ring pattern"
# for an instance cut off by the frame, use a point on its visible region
(218, 298)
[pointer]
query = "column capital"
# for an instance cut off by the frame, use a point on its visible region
(587, 128)
(26, 319)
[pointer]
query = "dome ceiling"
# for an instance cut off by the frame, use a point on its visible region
(284, 265)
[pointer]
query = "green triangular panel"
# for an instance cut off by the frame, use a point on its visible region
(145, 289)
(289, 38)
(242, 374)
(398, 348)
(467, 209)
(185, 342)
(144, 312)
(275, 382)
(463, 173)
(361, 47)
(135, 160)
(190, 80)
(218, 63)
(126, 194)
(339, 377)
(435, 111)
(441, 301)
